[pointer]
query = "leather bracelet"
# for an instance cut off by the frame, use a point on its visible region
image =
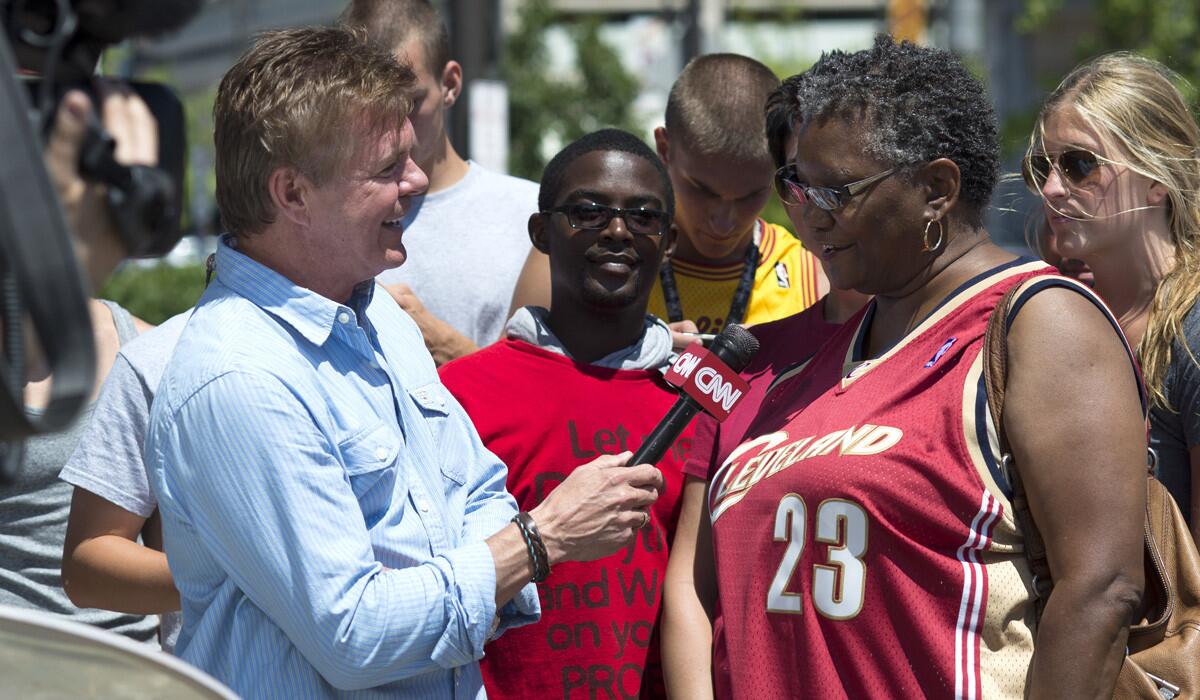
(538, 542)
(537, 548)
(533, 560)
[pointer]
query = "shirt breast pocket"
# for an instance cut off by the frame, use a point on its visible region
(370, 458)
(434, 403)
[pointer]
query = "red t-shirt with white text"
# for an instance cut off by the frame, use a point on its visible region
(543, 414)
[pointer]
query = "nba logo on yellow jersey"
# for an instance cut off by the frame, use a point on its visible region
(781, 276)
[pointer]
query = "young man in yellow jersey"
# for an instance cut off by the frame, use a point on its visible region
(729, 265)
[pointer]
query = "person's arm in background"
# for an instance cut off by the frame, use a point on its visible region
(444, 343)
(533, 285)
(98, 246)
(104, 566)
(689, 596)
(1075, 426)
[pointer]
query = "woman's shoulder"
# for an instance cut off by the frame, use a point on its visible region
(1057, 313)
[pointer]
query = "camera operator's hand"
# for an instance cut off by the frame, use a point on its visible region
(599, 506)
(123, 114)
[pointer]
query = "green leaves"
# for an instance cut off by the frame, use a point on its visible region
(157, 292)
(548, 111)
(1165, 30)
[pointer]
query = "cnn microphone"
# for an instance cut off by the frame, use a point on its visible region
(708, 380)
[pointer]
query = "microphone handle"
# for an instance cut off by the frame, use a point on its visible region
(659, 440)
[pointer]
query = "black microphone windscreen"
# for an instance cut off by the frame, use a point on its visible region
(735, 346)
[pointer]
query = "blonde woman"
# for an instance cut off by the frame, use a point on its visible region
(1114, 157)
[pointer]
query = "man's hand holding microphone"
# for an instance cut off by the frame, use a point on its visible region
(602, 504)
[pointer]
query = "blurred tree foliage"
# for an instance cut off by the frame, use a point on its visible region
(1165, 30)
(157, 292)
(547, 111)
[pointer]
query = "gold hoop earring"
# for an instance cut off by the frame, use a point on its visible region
(925, 247)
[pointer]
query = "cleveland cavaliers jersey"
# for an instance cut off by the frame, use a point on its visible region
(864, 542)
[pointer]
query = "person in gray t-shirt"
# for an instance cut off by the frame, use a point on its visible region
(33, 509)
(103, 563)
(467, 238)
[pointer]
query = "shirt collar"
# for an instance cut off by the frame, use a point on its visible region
(312, 315)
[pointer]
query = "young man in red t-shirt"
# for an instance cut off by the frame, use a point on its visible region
(567, 384)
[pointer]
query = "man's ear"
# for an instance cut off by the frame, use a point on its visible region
(942, 180)
(291, 192)
(660, 143)
(668, 243)
(538, 235)
(452, 83)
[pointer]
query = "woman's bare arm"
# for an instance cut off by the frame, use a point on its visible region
(1074, 423)
(533, 286)
(688, 598)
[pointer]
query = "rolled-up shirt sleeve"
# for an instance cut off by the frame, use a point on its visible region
(272, 504)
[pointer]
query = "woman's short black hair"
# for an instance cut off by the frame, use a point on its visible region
(915, 103)
(603, 140)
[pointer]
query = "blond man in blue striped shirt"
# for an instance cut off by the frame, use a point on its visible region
(332, 521)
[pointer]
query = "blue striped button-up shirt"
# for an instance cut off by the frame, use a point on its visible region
(325, 500)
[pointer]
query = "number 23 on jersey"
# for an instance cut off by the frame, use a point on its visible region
(838, 585)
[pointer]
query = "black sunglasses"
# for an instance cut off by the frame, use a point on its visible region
(794, 193)
(1074, 165)
(594, 217)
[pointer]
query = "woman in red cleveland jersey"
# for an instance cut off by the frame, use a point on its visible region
(863, 541)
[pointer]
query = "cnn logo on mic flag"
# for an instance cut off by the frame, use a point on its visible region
(704, 377)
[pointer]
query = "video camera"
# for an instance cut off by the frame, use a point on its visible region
(60, 42)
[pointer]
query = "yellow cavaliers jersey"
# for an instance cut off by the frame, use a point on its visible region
(784, 284)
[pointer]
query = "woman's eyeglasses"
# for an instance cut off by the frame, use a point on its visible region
(794, 193)
(594, 217)
(1075, 166)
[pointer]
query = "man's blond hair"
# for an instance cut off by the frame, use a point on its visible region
(391, 24)
(296, 99)
(716, 105)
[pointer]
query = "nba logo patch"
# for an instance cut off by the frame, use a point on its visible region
(941, 351)
(782, 277)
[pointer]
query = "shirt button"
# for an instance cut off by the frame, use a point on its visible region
(343, 317)
(381, 453)
(423, 506)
